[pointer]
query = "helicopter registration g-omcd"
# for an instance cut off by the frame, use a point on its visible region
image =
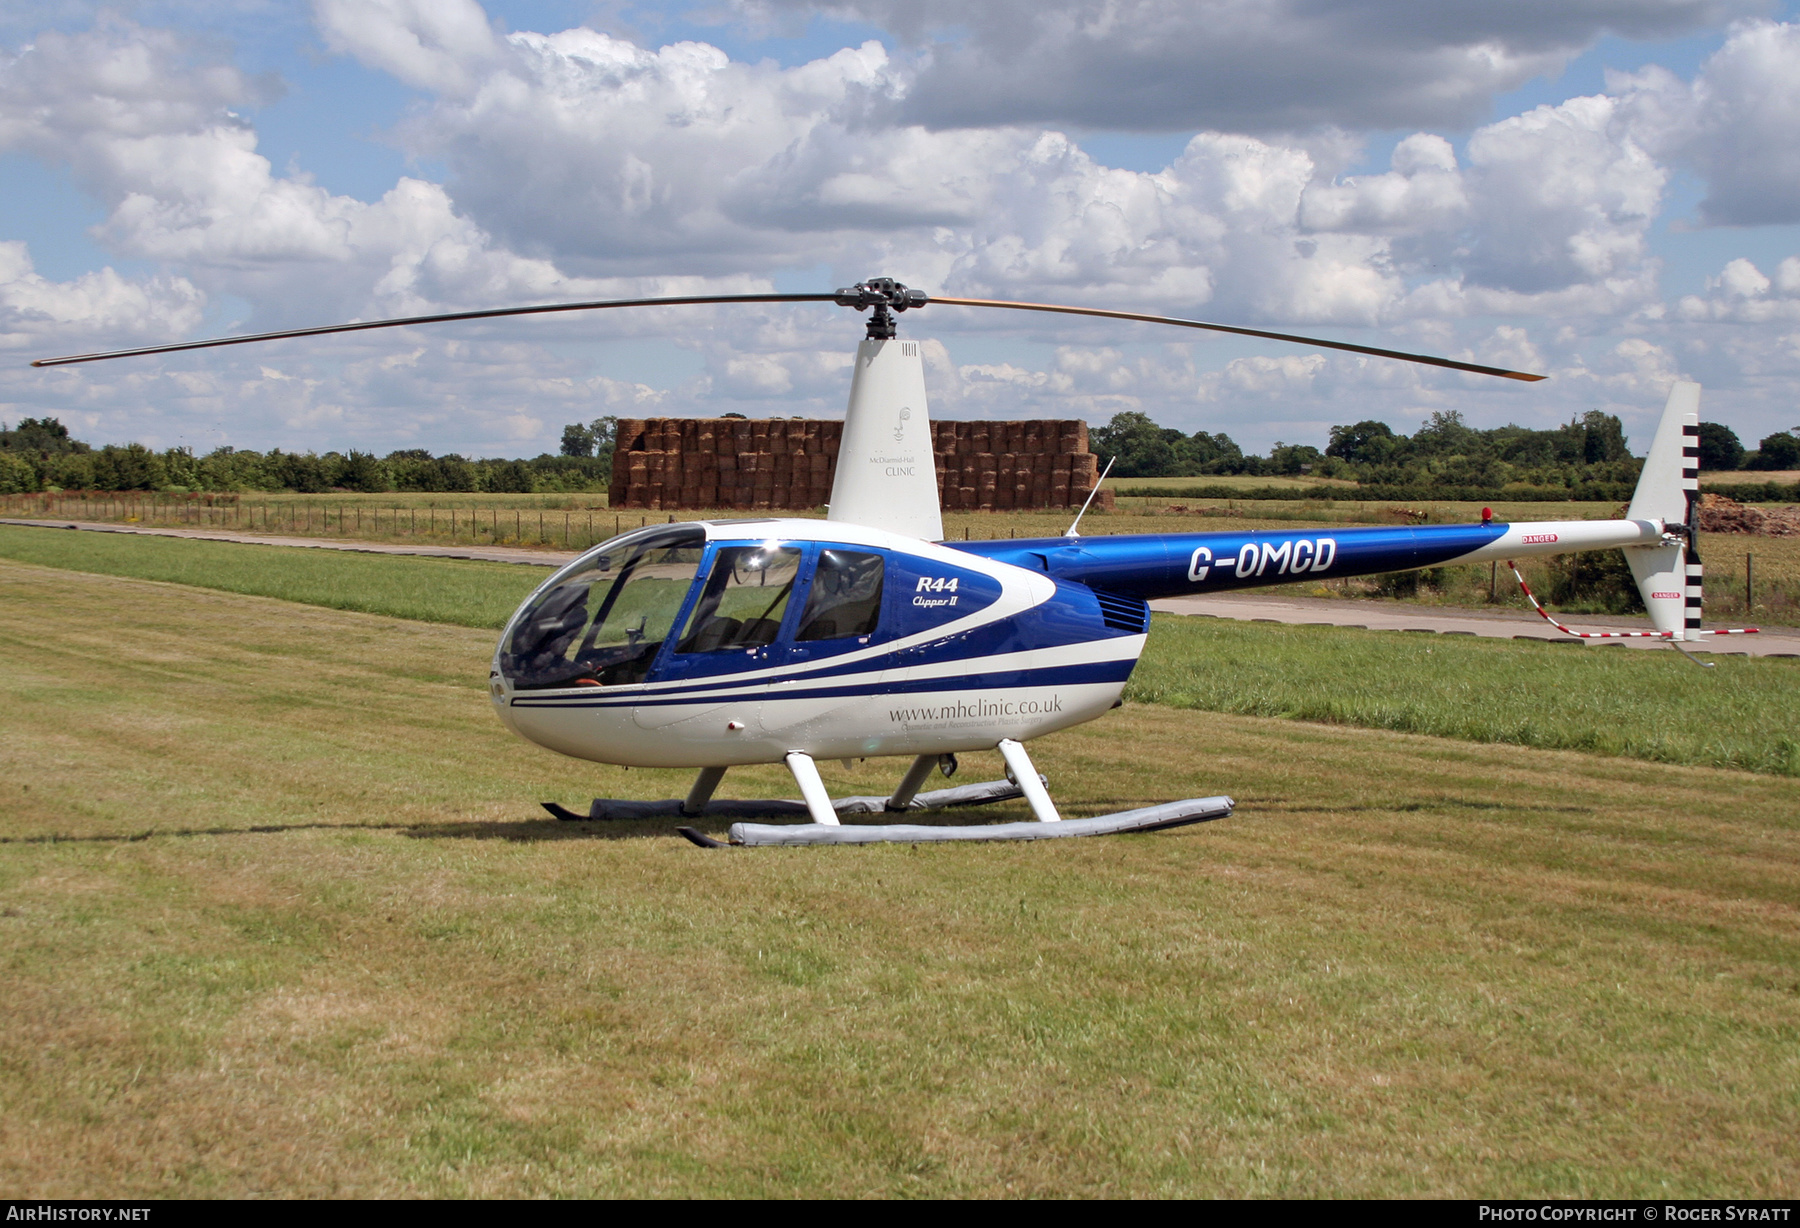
(713, 644)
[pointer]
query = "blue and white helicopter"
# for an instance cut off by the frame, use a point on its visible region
(714, 644)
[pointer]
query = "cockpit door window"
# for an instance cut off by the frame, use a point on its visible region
(744, 600)
(845, 599)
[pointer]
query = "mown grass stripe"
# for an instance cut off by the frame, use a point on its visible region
(1612, 701)
(465, 593)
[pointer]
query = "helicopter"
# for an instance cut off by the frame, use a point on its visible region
(715, 644)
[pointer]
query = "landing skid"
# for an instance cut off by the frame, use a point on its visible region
(1149, 818)
(826, 826)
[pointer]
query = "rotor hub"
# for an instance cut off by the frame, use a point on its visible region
(885, 296)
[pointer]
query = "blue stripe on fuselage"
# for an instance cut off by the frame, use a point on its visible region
(1170, 565)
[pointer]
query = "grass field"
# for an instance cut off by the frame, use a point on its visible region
(1740, 714)
(461, 591)
(1241, 481)
(1743, 713)
(281, 917)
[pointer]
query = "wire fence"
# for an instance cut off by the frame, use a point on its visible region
(540, 528)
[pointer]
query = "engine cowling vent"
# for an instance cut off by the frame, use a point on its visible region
(1128, 614)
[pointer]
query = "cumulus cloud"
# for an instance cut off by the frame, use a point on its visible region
(1742, 293)
(1564, 197)
(1258, 66)
(75, 97)
(1423, 190)
(93, 310)
(582, 162)
(1263, 376)
(436, 45)
(1733, 124)
(615, 160)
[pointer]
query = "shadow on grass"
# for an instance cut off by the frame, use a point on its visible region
(717, 826)
(514, 830)
(536, 830)
(492, 829)
(136, 837)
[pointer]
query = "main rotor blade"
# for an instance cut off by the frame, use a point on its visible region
(704, 299)
(494, 313)
(1428, 359)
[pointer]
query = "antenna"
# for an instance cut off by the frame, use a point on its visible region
(1091, 494)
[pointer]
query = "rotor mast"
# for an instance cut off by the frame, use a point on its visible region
(887, 462)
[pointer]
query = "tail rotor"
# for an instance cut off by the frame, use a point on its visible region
(1669, 574)
(1695, 571)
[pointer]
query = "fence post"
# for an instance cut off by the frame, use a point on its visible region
(1749, 591)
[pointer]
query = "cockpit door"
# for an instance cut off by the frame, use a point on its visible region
(840, 604)
(763, 606)
(738, 618)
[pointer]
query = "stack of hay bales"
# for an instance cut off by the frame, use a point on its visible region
(1007, 466)
(787, 464)
(761, 464)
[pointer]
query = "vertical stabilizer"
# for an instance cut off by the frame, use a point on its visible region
(886, 465)
(1668, 491)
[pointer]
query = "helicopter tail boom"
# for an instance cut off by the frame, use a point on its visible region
(1659, 535)
(1184, 564)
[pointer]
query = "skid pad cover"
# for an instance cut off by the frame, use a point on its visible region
(615, 809)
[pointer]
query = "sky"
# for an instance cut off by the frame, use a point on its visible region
(1604, 191)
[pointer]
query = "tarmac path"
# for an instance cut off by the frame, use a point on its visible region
(1365, 614)
(1515, 624)
(486, 554)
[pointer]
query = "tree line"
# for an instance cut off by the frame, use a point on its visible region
(39, 454)
(1444, 453)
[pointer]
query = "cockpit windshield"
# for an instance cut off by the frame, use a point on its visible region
(602, 622)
